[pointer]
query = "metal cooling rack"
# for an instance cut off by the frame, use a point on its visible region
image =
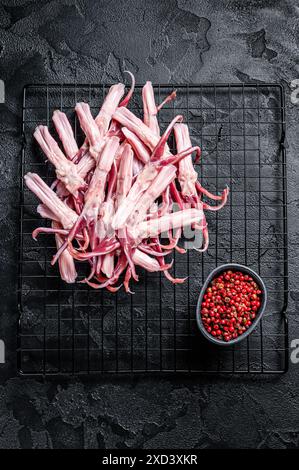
(72, 330)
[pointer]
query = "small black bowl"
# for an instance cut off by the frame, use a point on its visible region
(211, 276)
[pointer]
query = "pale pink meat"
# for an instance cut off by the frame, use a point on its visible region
(153, 227)
(108, 108)
(150, 109)
(65, 132)
(66, 262)
(141, 151)
(66, 216)
(90, 128)
(123, 200)
(66, 171)
(125, 174)
(157, 187)
(94, 196)
(187, 175)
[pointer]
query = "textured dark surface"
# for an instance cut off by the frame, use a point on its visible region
(93, 41)
(76, 329)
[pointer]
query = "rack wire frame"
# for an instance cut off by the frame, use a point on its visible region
(71, 330)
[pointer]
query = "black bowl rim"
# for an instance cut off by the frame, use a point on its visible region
(213, 273)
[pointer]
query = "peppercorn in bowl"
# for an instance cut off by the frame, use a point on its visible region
(231, 304)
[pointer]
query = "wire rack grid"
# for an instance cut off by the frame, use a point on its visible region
(73, 330)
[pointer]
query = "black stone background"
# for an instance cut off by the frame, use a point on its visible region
(168, 41)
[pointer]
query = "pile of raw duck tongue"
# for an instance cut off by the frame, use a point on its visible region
(116, 195)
